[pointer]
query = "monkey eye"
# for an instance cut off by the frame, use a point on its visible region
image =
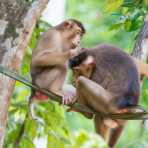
(78, 32)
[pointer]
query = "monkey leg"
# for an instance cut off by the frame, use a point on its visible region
(94, 96)
(100, 127)
(57, 84)
(114, 135)
(44, 80)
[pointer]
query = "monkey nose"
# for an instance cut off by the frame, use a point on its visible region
(78, 42)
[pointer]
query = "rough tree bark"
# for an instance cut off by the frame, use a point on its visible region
(17, 20)
(140, 50)
(141, 46)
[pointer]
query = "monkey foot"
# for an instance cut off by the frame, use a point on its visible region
(40, 96)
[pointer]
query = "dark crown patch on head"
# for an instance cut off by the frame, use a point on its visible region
(79, 24)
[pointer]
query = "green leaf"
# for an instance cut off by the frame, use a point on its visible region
(113, 5)
(127, 25)
(116, 26)
(26, 143)
(134, 16)
(31, 128)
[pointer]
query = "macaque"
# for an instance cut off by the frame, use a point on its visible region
(50, 57)
(110, 86)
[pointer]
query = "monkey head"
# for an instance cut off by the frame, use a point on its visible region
(85, 68)
(72, 32)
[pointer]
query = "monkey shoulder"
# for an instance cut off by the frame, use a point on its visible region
(49, 40)
(112, 55)
(113, 67)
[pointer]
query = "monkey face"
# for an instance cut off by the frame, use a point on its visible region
(72, 33)
(76, 38)
(83, 70)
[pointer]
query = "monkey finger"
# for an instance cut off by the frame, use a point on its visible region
(68, 99)
(73, 52)
(65, 100)
(72, 99)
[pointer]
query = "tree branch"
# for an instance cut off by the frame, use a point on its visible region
(141, 46)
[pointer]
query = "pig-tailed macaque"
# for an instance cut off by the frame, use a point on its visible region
(111, 86)
(50, 57)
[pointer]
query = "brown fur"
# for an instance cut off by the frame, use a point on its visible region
(51, 53)
(116, 72)
(115, 85)
(49, 58)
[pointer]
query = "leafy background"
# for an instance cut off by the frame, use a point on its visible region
(114, 21)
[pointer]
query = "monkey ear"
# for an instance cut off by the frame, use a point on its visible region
(90, 61)
(67, 24)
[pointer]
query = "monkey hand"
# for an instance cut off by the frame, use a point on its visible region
(73, 52)
(68, 98)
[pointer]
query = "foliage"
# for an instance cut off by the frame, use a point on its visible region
(115, 21)
(131, 14)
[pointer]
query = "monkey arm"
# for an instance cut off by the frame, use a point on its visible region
(95, 96)
(47, 58)
(142, 67)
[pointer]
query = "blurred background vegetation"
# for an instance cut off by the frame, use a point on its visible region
(114, 21)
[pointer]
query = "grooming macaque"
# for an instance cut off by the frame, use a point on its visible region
(111, 86)
(50, 56)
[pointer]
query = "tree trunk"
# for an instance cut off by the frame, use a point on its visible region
(141, 46)
(17, 20)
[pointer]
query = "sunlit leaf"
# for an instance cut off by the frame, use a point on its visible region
(26, 143)
(116, 26)
(127, 25)
(113, 5)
